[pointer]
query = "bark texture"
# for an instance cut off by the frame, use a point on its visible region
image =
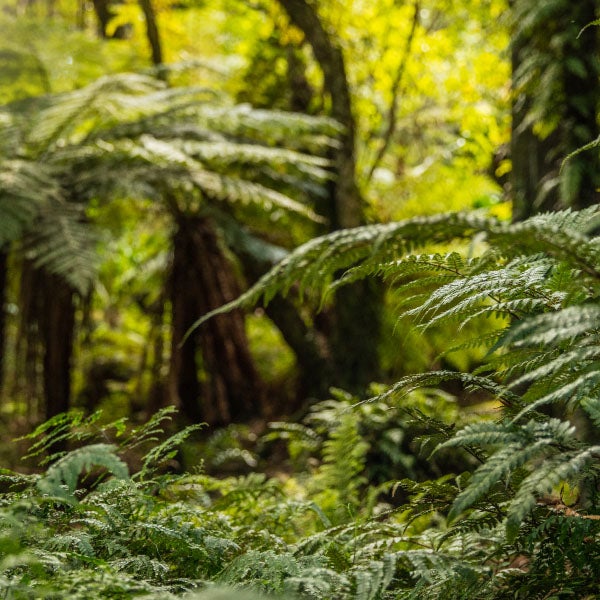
(57, 326)
(212, 374)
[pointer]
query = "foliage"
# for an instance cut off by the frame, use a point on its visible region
(520, 521)
(541, 369)
(128, 136)
(400, 495)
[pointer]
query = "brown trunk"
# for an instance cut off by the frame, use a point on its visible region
(57, 325)
(300, 89)
(28, 347)
(230, 389)
(355, 322)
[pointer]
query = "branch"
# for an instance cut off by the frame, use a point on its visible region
(396, 84)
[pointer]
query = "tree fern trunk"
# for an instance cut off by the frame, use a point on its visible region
(57, 325)
(203, 279)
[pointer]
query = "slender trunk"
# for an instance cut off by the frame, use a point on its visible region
(356, 320)
(152, 34)
(203, 279)
(348, 205)
(3, 286)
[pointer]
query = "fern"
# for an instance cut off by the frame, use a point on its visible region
(541, 275)
(62, 477)
(128, 135)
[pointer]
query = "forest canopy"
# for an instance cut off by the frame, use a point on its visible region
(299, 299)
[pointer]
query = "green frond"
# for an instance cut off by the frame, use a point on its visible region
(552, 472)
(517, 446)
(165, 450)
(463, 298)
(554, 328)
(434, 378)
(372, 580)
(551, 364)
(591, 405)
(25, 189)
(62, 477)
(572, 388)
(377, 249)
(79, 543)
(107, 101)
(317, 263)
(450, 266)
(63, 243)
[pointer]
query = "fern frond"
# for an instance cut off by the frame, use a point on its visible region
(165, 451)
(108, 100)
(554, 328)
(433, 378)
(61, 479)
(372, 580)
(63, 243)
(25, 189)
(319, 260)
(450, 265)
(518, 446)
(566, 466)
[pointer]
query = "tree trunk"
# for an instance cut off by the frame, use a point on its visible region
(355, 322)
(230, 389)
(3, 286)
(348, 205)
(104, 14)
(57, 326)
(152, 34)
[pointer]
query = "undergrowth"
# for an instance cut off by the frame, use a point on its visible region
(367, 507)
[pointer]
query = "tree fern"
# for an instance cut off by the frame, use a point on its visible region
(129, 135)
